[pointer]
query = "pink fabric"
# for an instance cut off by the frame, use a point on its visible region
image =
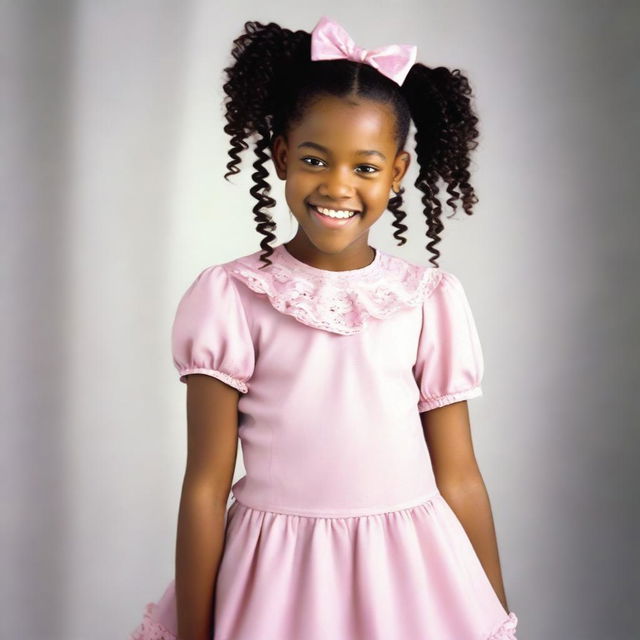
(205, 339)
(328, 300)
(337, 530)
(450, 363)
(330, 41)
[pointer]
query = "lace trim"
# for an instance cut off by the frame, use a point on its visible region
(148, 629)
(507, 630)
(337, 301)
(227, 378)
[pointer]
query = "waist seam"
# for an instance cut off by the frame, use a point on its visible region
(404, 506)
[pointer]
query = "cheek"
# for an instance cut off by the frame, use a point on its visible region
(297, 190)
(379, 190)
(298, 183)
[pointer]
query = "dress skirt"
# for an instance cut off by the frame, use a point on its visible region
(406, 574)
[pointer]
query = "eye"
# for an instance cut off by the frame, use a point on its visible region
(310, 158)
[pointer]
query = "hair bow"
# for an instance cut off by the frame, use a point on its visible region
(330, 41)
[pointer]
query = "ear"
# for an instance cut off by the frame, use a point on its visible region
(279, 155)
(400, 166)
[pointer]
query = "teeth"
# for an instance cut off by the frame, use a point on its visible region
(335, 214)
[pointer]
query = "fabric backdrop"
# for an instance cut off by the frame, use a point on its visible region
(112, 200)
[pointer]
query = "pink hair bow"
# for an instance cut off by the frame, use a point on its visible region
(330, 41)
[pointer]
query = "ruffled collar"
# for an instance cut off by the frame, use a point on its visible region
(337, 301)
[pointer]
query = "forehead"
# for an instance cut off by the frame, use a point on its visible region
(346, 123)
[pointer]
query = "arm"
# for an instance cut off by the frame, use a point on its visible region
(212, 423)
(448, 435)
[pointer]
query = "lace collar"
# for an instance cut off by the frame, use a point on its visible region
(336, 301)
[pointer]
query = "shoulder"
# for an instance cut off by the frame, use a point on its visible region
(447, 282)
(438, 284)
(422, 280)
(212, 289)
(210, 284)
(440, 292)
(220, 273)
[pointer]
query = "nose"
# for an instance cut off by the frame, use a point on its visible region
(337, 184)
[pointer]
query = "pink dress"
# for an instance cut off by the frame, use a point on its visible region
(337, 531)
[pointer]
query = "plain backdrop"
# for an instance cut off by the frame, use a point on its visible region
(112, 200)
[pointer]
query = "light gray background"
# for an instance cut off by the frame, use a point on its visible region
(113, 199)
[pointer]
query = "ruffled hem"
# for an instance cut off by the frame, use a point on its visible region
(149, 629)
(335, 301)
(507, 630)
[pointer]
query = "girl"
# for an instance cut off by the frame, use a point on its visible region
(344, 370)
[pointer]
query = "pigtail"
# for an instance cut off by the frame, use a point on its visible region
(440, 105)
(272, 80)
(395, 202)
(265, 56)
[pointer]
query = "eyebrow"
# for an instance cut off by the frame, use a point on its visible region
(361, 152)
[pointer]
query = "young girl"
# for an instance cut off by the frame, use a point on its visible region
(344, 370)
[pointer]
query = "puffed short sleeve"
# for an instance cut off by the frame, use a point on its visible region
(449, 365)
(210, 332)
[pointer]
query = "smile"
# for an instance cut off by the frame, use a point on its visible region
(332, 218)
(334, 213)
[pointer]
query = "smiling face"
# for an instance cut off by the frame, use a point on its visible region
(341, 156)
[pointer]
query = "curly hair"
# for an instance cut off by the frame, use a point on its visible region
(273, 80)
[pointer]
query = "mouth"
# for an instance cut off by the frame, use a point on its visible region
(341, 220)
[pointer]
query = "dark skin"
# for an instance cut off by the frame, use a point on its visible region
(337, 178)
(212, 444)
(447, 432)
